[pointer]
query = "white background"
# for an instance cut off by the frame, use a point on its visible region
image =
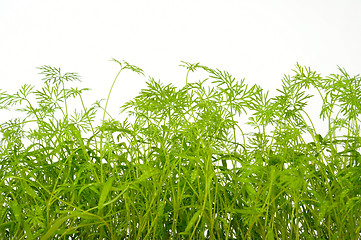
(256, 40)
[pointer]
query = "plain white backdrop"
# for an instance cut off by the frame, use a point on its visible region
(256, 40)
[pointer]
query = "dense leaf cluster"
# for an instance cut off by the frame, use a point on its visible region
(180, 166)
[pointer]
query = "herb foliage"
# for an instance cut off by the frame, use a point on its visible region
(181, 166)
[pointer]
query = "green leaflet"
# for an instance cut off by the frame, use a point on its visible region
(104, 193)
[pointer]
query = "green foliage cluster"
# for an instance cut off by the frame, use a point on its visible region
(183, 168)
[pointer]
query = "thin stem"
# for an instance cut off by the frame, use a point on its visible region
(101, 136)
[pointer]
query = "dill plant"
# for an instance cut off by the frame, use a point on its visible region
(181, 166)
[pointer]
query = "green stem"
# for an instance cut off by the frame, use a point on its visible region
(101, 135)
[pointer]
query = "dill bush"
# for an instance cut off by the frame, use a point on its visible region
(180, 165)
